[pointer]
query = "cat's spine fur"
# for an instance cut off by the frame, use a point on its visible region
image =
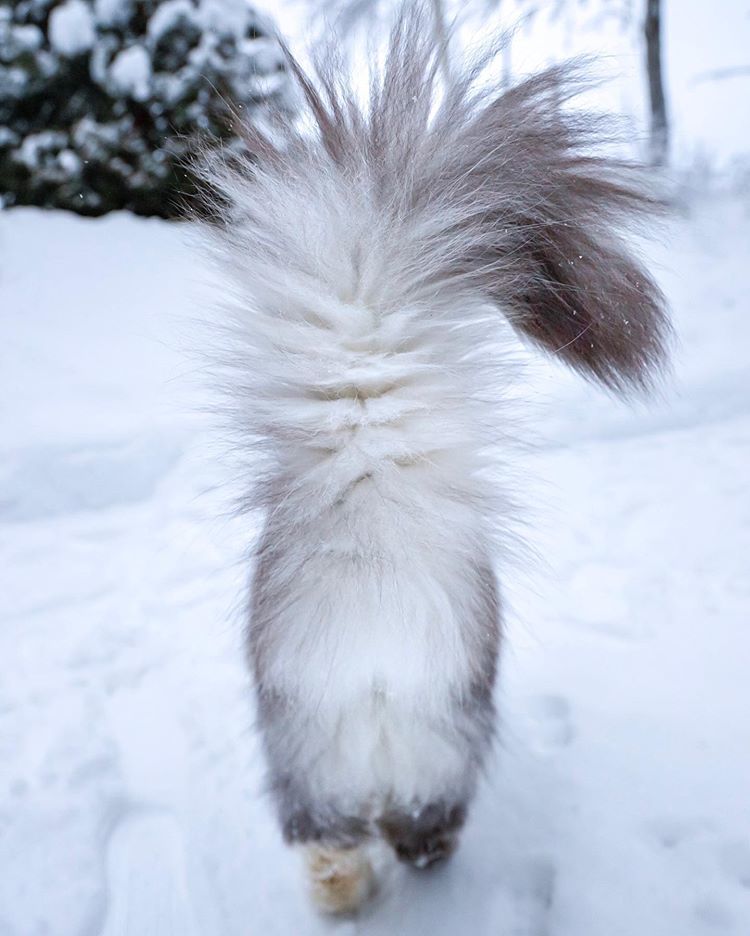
(378, 258)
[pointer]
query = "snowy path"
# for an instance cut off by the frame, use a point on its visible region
(129, 773)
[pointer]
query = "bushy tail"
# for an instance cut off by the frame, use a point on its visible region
(370, 232)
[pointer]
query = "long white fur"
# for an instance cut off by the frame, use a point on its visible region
(375, 416)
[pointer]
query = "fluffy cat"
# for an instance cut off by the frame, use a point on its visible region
(379, 257)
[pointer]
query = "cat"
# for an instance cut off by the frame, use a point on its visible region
(382, 258)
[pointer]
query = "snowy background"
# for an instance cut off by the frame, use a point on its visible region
(130, 776)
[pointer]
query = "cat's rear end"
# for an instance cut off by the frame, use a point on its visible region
(379, 261)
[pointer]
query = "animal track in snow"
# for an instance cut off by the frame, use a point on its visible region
(712, 913)
(724, 864)
(671, 833)
(551, 726)
(734, 859)
(733, 854)
(597, 601)
(524, 905)
(147, 880)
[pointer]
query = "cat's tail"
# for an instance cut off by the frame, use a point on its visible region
(369, 247)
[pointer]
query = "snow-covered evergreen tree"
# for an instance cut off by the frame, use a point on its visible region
(101, 99)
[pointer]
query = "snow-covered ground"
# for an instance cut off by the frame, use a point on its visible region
(130, 777)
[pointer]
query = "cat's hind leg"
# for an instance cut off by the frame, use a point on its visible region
(423, 835)
(341, 879)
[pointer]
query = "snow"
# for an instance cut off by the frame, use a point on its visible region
(130, 775)
(166, 16)
(218, 17)
(71, 28)
(231, 17)
(70, 161)
(111, 12)
(35, 145)
(130, 72)
(29, 38)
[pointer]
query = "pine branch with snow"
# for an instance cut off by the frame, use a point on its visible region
(100, 100)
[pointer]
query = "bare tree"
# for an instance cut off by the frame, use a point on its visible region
(658, 144)
(659, 123)
(622, 11)
(440, 28)
(349, 13)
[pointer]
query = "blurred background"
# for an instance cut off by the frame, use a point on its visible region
(100, 100)
(131, 784)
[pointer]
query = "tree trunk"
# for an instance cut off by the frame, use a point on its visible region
(441, 35)
(659, 125)
(507, 73)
